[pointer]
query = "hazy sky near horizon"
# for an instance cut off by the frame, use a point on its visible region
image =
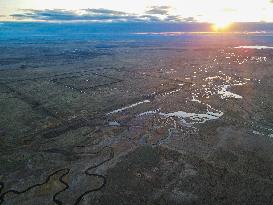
(199, 10)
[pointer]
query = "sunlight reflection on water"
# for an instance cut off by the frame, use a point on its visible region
(255, 47)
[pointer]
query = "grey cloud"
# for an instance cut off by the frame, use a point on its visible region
(150, 18)
(105, 11)
(177, 18)
(164, 11)
(173, 18)
(45, 15)
(161, 10)
(66, 15)
(189, 19)
(98, 15)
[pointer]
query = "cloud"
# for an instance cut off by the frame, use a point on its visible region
(82, 15)
(150, 18)
(173, 18)
(105, 11)
(159, 10)
(189, 19)
(100, 15)
(45, 15)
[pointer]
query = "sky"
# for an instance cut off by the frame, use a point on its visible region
(212, 11)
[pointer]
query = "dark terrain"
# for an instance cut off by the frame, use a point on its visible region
(139, 121)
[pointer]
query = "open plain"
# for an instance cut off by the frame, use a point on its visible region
(188, 120)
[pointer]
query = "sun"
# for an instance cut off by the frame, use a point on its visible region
(221, 25)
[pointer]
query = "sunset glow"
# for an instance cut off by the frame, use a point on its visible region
(197, 10)
(221, 26)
